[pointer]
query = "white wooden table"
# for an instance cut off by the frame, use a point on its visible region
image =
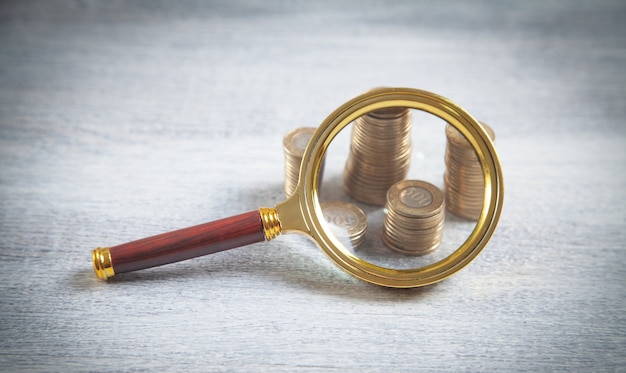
(122, 120)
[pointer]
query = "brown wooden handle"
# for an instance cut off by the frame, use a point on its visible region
(187, 243)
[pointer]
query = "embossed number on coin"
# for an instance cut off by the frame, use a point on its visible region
(339, 217)
(416, 197)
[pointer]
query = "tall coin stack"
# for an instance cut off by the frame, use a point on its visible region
(380, 154)
(294, 144)
(347, 221)
(463, 179)
(414, 217)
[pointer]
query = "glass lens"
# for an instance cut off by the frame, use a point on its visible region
(387, 185)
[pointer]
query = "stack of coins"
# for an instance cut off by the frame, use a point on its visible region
(294, 144)
(414, 217)
(347, 222)
(463, 179)
(380, 154)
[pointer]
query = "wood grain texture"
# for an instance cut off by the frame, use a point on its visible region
(188, 243)
(121, 120)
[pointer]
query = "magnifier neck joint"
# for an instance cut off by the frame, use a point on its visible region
(271, 224)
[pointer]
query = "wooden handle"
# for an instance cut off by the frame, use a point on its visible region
(180, 245)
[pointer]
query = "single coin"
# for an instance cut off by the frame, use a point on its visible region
(296, 140)
(457, 137)
(345, 220)
(415, 198)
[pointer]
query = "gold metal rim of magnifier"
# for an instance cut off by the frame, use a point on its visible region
(302, 211)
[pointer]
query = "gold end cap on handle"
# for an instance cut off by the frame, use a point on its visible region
(101, 258)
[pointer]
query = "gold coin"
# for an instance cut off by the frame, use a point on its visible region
(415, 198)
(458, 139)
(402, 249)
(423, 223)
(463, 179)
(296, 140)
(380, 152)
(346, 221)
(414, 218)
(294, 145)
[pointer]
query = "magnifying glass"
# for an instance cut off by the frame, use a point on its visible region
(302, 211)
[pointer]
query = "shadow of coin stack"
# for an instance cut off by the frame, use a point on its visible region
(463, 179)
(380, 154)
(414, 218)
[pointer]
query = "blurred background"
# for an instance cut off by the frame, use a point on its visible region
(123, 119)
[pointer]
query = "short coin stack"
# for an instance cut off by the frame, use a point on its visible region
(380, 154)
(463, 179)
(414, 217)
(294, 144)
(347, 222)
